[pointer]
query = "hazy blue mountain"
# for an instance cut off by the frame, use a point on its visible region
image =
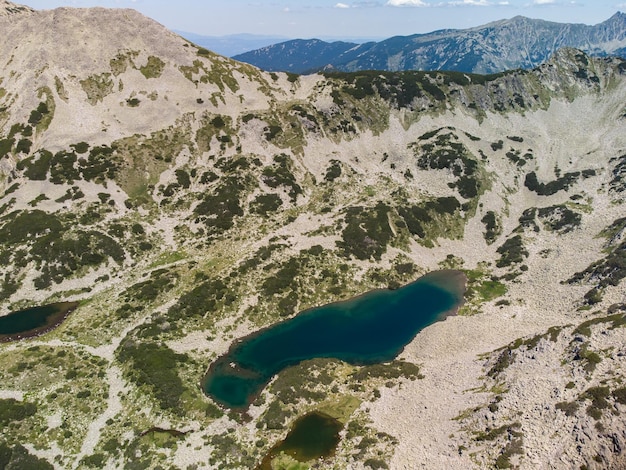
(235, 44)
(303, 55)
(518, 42)
(232, 44)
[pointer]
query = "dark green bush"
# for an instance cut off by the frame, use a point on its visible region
(492, 227)
(367, 232)
(569, 408)
(200, 300)
(504, 360)
(511, 252)
(23, 226)
(219, 208)
(5, 146)
(155, 366)
(23, 146)
(392, 370)
(559, 218)
(334, 170)
(13, 410)
(280, 173)
(272, 131)
(80, 147)
(16, 456)
(562, 183)
(37, 166)
(265, 203)
(619, 395)
(183, 178)
(608, 271)
(35, 117)
(100, 165)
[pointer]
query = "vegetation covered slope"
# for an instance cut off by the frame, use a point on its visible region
(186, 200)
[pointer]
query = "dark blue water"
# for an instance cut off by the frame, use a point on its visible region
(32, 321)
(312, 436)
(368, 329)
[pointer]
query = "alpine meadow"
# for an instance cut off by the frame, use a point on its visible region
(164, 210)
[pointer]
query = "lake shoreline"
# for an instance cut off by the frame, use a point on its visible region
(53, 321)
(453, 282)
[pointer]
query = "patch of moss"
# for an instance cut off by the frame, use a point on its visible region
(97, 87)
(153, 68)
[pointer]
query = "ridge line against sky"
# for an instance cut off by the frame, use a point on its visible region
(345, 18)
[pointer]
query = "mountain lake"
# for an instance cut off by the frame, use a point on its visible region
(34, 321)
(371, 328)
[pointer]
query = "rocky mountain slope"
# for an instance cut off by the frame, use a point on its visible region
(509, 44)
(187, 200)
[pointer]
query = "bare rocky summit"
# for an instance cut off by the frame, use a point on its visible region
(9, 9)
(187, 200)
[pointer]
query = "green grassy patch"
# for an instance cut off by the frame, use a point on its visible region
(154, 67)
(97, 87)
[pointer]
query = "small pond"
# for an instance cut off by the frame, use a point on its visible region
(311, 437)
(34, 321)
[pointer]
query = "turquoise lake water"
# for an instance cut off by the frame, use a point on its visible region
(31, 321)
(368, 329)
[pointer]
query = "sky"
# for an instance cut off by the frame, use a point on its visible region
(345, 18)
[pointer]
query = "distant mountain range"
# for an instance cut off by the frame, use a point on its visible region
(518, 42)
(232, 44)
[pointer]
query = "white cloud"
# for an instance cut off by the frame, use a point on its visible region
(482, 3)
(342, 5)
(406, 3)
(543, 2)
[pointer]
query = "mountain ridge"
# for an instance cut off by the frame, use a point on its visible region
(518, 42)
(186, 200)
